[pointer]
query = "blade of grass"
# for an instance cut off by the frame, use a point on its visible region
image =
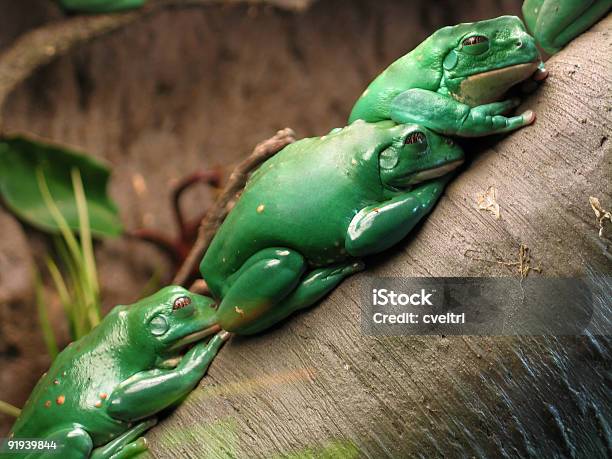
(89, 264)
(73, 287)
(8, 409)
(62, 290)
(43, 317)
(57, 216)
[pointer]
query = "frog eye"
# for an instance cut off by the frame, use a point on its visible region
(476, 44)
(181, 302)
(416, 137)
(474, 40)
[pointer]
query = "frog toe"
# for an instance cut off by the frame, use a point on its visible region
(132, 450)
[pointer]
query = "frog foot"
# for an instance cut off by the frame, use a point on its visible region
(540, 74)
(488, 119)
(536, 79)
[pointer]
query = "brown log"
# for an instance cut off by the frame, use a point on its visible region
(317, 383)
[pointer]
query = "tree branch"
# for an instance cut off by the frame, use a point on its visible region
(44, 44)
(224, 203)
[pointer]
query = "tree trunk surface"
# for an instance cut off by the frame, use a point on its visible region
(317, 384)
(173, 92)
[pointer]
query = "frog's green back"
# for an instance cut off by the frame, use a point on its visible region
(72, 387)
(417, 69)
(303, 198)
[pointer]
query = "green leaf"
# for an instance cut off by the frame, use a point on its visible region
(21, 158)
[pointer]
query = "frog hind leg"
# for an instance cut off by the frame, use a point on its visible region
(558, 23)
(313, 287)
(584, 22)
(126, 445)
(264, 280)
(73, 443)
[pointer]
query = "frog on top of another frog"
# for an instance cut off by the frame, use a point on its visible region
(453, 82)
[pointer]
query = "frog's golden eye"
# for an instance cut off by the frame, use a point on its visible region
(476, 44)
(414, 138)
(474, 40)
(181, 302)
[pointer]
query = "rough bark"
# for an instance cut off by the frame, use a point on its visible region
(186, 89)
(318, 381)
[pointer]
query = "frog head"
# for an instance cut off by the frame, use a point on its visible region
(416, 155)
(169, 320)
(480, 61)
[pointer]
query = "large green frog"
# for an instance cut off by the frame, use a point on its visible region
(452, 83)
(309, 214)
(103, 391)
(554, 23)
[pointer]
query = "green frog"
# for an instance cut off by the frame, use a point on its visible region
(103, 391)
(453, 82)
(309, 214)
(100, 6)
(554, 23)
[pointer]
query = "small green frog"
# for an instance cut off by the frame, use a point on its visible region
(309, 214)
(554, 23)
(100, 6)
(453, 81)
(103, 391)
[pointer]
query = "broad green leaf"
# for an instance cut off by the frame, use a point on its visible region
(21, 160)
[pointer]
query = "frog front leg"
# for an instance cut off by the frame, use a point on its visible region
(126, 445)
(311, 289)
(148, 392)
(554, 23)
(74, 440)
(445, 115)
(378, 227)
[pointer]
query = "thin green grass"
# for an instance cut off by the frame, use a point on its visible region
(78, 288)
(9, 410)
(76, 283)
(43, 317)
